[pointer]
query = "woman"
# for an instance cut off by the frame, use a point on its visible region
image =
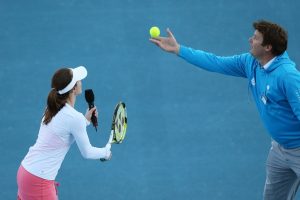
(60, 127)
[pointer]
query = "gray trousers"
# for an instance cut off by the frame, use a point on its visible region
(283, 173)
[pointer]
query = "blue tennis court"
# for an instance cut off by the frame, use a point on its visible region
(191, 134)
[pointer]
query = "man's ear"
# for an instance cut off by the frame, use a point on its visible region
(268, 47)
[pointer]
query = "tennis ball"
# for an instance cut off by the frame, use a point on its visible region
(154, 31)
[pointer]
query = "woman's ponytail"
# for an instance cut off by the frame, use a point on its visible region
(56, 101)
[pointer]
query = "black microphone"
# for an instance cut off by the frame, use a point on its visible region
(89, 97)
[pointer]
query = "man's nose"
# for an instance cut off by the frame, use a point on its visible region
(250, 40)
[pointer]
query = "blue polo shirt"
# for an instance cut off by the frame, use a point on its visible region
(276, 89)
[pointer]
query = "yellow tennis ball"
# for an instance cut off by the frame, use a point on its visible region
(154, 31)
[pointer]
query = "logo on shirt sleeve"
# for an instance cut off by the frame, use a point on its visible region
(253, 81)
(298, 94)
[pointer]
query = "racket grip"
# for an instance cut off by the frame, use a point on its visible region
(104, 160)
(111, 136)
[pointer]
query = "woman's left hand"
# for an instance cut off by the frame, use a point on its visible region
(88, 114)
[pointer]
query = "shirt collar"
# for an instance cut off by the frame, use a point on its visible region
(269, 63)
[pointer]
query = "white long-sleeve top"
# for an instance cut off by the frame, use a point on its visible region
(45, 157)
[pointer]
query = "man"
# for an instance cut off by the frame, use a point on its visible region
(275, 84)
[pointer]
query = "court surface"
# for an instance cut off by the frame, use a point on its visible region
(191, 134)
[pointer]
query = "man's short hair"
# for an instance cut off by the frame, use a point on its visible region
(273, 35)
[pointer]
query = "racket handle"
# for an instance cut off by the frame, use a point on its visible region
(103, 159)
(111, 137)
(108, 151)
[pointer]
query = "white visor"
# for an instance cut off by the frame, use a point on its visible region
(79, 73)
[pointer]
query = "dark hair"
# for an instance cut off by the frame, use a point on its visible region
(273, 35)
(56, 101)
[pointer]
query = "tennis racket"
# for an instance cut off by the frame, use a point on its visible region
(119, 124)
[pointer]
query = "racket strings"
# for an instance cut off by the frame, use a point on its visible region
(120, 123)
